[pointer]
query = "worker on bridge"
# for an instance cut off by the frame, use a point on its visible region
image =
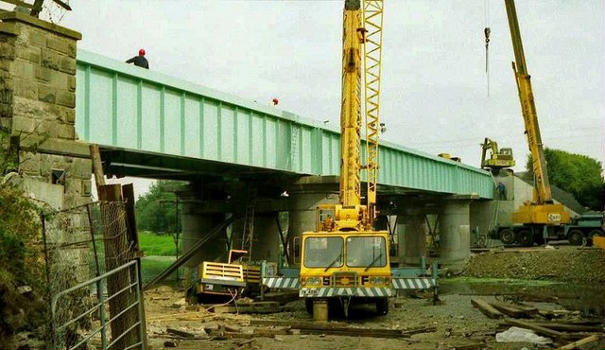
(140, 60)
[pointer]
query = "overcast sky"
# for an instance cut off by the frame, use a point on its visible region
(434, 83)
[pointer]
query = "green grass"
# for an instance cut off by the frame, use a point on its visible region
(153, 244)
(151, 266)
(507, 281)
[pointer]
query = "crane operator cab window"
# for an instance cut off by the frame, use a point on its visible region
(324, 252)
(366, 252)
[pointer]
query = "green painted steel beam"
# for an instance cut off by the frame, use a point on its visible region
(122, 106)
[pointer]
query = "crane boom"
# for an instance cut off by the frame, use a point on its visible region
(542, 191)
(372, 20)
(350, 112)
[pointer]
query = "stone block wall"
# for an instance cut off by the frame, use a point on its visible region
(37, 103)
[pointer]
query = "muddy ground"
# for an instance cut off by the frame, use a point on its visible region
(457, 324)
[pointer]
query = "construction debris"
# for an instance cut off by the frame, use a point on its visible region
(581, 342)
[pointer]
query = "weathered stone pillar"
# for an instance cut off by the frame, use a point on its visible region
(411, 231)
(37, 109)
(454, 233)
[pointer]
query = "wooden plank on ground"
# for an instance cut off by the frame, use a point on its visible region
(334, 329)
(581, 342)
(486, 308)
(512, 310)
(538, 329)
(570, 327)
(266, 307)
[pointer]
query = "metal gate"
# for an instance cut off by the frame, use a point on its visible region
(93, 280)
(98, 337)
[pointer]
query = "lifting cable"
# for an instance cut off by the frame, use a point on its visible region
(487, 31)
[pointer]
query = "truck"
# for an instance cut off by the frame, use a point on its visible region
(580, 230)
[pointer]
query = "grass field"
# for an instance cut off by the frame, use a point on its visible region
(154, 244)
(159, 254)
(153, 265)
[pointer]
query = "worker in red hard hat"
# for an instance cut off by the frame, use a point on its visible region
(140, 60)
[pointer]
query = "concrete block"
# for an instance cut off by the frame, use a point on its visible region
(86, 188)
(66, 98)
(23, 125)
(65, 114)
(81, 168)
(7, 50)
(44, 191)
(24, 69)
(26, 89)
(4, 121)
(58, 44)
(36, 38)
(46, 94)
(73, 185)
(50, 60)
(6, 95)
(67, 65)
(5, 64)
(65, 131)
(30, 54)
(43, 73)
(29, 163)
(71, 83)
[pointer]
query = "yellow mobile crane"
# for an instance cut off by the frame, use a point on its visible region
(541, 218)
(345, 257)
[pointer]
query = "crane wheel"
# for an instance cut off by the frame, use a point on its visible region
(309, 305)
(575, 237)
(382, 306)
(592, 234)
(526, 238)
(507, 236)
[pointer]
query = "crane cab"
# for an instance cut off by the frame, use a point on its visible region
(353, 265)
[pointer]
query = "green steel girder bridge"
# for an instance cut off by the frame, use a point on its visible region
(152, 125)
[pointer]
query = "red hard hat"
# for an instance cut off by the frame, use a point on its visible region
(142, 52)
(275, 101)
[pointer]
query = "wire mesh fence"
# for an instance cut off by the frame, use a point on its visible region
(82, 244)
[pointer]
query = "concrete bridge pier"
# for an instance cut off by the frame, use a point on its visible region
(195, 225)
(454, 233)
(411, 235)
(305, 196)
(266, 241)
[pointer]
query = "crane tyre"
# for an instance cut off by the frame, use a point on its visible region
(382, 306)
(594, 233)
(575, 237)
(525, 238)
(507, 236)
